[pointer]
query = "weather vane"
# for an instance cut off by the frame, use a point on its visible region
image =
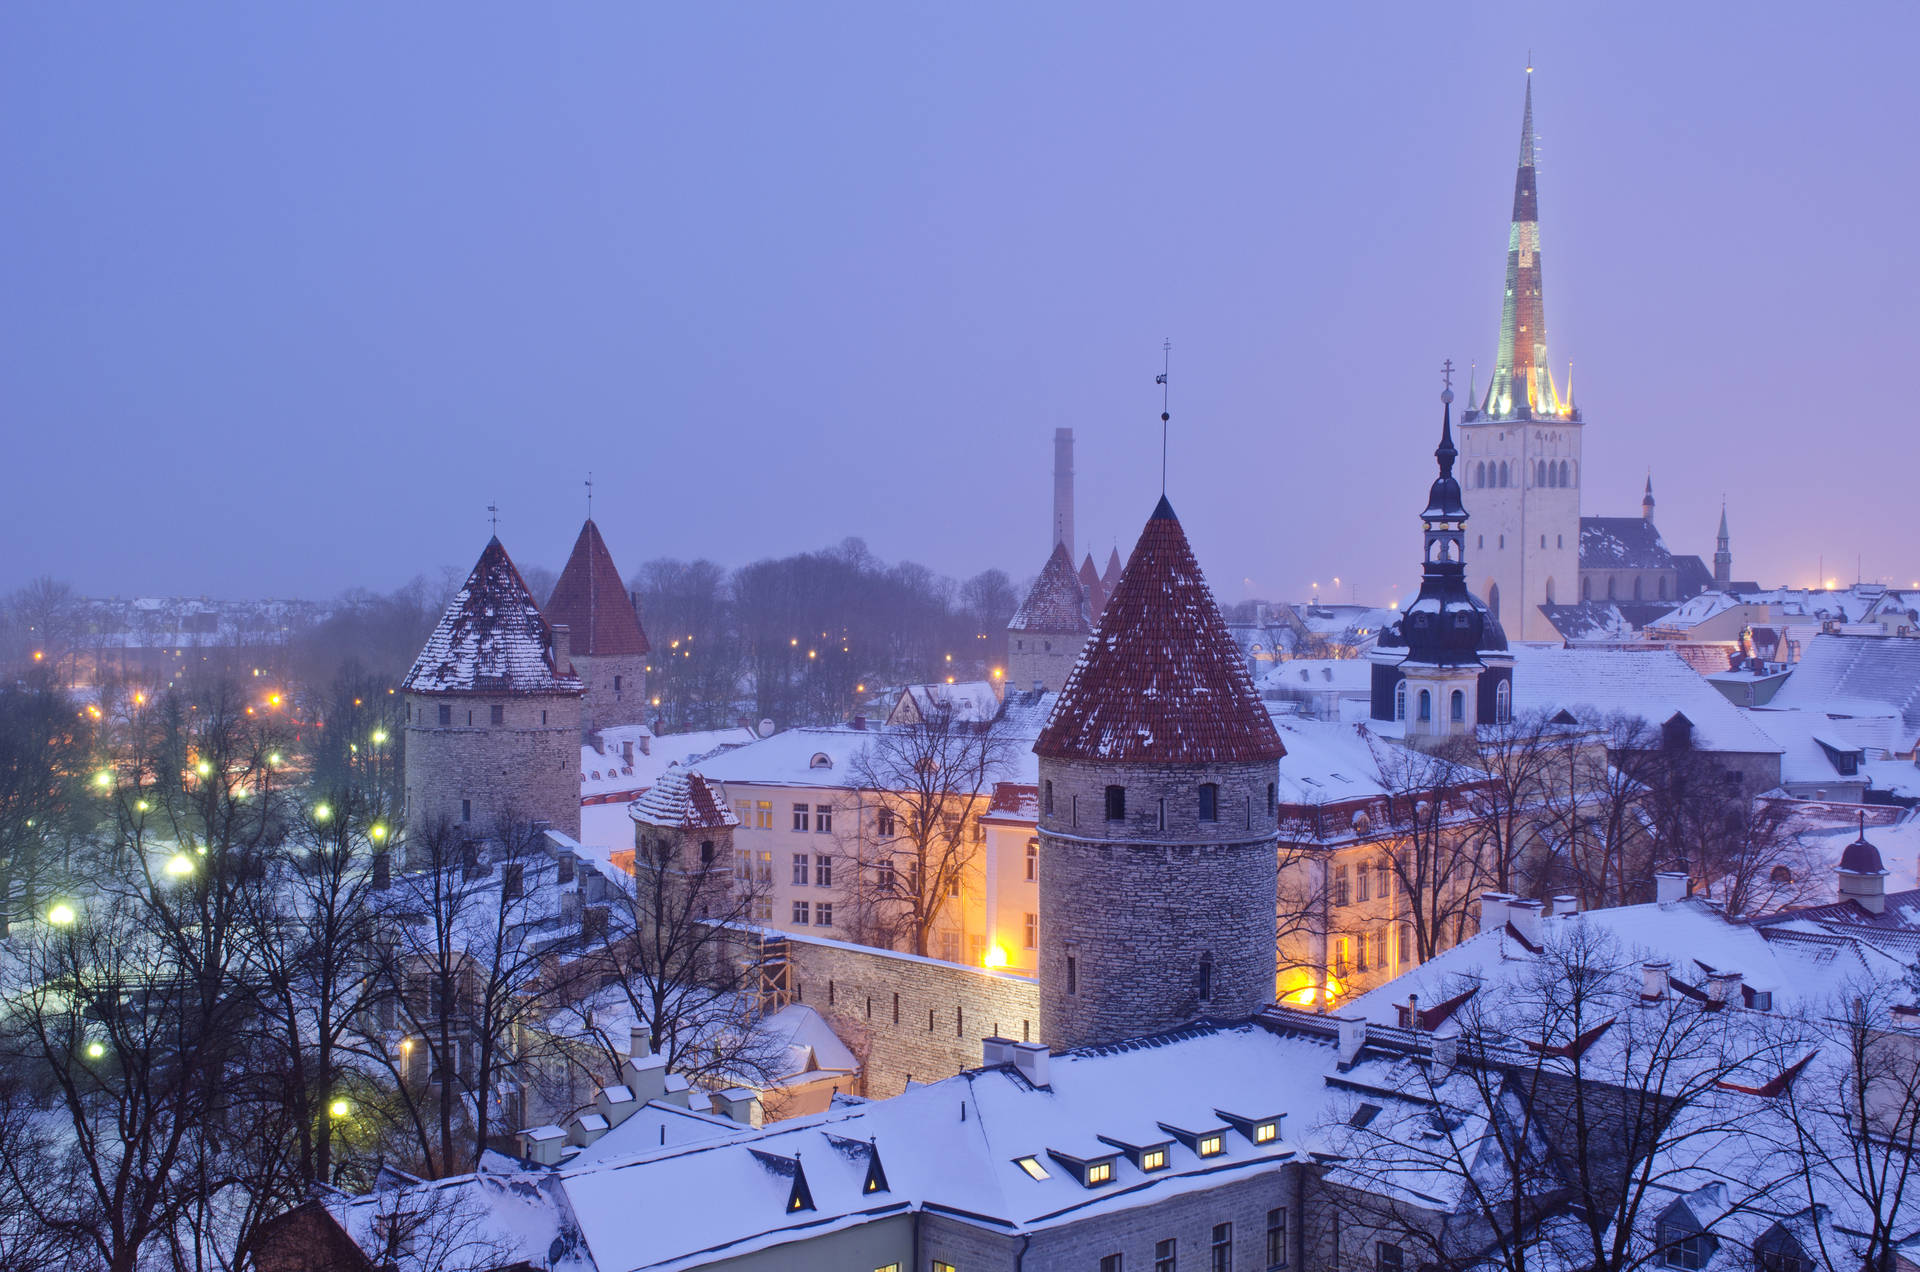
(1166, 366)
(493, 517)
(589, 494)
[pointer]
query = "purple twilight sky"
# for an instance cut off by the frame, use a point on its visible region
(293, 292)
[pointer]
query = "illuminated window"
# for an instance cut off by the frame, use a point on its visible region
(1033, 858)
(1099, 1172)
(1209, 1146)
(1154, 1159)
(763, 816)
(1033, 930)
(763, 868)
(1265, 1132)
(1032, 1166)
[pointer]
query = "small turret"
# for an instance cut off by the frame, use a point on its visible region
(1862, 877)
(1646, 500)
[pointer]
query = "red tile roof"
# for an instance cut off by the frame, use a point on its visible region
(1057, 602)
(592, 601)
(1091, 585)
(1111, 577)
(684, 799)
(1162, 680)
(492, 638)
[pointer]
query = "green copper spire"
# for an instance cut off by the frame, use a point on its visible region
(1522, 387)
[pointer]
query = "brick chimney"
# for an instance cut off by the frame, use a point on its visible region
(562, 650)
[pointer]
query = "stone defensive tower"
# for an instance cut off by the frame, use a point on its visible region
(682, 822)
(609, 646)
(1521, 443)
(1158, 836)
(1045, 634)
(493, 712)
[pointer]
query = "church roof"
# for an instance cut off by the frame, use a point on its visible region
(1057, 602)
(1090, 582)
(1162, 680)
(592, 601)
(1622, 543)
(492, 638)
(683, 800)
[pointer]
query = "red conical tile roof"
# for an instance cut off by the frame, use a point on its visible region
(1057, 602)
(492, 638)
(1161, 681)
(1090, 584)
(592, 601)
(1111, 578)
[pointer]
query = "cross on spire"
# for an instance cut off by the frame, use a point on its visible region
(493, 518)
(589, 494)
(1446, 380)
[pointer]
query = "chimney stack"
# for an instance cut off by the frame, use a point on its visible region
(562, 650)
(1062, 489)
(1032, 1060)
(1353, 1036)
(1493, 910)
(1669, 886)
(1724, 988)
(1653, 981)
(1566, 904)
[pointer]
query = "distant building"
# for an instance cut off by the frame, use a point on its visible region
(1045, 634)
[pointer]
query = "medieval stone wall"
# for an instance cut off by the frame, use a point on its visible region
(473, 772)
(1161, 917)
(1041, 657)
(907, 1016)
(616, 690)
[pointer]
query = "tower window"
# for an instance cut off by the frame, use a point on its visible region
(1559, 540)
(1073, 974)
(1459, 706)
(446, 717)
(616, 683)
(1503, 541)
(1049, 799)
(1426, 705)
(1206, 976)
(1272, 799)
(1209, 801)
(1116, 803)
(1543, 540)
(1400, 700)
(496, 715)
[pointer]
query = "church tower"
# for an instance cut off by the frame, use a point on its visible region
(1444, 668)
(1158, 769)
(1722, 555)
(1520, 446)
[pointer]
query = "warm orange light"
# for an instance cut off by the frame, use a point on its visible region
(997, 673)
(140, 699)
(39, 654)
(994, 957)
(273, 699)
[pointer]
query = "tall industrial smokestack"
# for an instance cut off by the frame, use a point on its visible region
(1062, 489)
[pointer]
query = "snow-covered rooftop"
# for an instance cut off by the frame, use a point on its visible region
(1593, 684)
(491, 639)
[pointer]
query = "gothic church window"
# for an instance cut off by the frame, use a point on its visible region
(1503, 702)
(1459, 708)
(1400, 701)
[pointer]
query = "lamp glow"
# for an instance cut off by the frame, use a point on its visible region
(179, 864)
(339, 1108)
(61, 914)
(379, 736)
(321, 812)
(95, 1050)
(995, 957)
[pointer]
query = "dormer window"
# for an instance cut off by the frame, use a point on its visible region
(1265, 1133)
(1090, 1171)
(1210, 1145)
(820, 760)
(1153, 1159)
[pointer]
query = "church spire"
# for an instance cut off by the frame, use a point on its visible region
(1722, 553)
(1522, 388)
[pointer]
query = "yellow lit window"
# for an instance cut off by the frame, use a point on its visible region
(1209, 1145)
(1265, 1132)
(1153, 1159)
(1032, 1166)
(1099, 1172)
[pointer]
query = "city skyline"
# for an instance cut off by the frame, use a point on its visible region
(856, 293)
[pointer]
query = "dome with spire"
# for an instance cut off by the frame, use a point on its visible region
(1861, 857)
(1162, 681)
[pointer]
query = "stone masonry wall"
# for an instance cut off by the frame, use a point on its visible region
(1140, 907)
(1046, 657)
(604, 706)
(529, 763)
(907, 1016)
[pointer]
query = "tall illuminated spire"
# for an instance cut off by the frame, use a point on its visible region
(1522, 387)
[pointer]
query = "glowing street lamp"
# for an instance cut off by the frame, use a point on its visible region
(61, 915)
(340, 1108)
(274, 759)
(378, 831)
(321, 812)
(96, 1050)
(103, 779)
(379, 736)
(179, 865)
(204, 769)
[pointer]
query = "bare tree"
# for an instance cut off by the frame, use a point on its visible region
(1508, 805)
(922, 788)
(1852, 1124)
(1436, 855)
(1562, 1117)
(44, 747)
(1599, 804)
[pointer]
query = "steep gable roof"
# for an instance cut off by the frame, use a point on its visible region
(1057, 602)
(592, 601)
(492, 638)
(1162, 680)
(1111, 576)
(1623, 543)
